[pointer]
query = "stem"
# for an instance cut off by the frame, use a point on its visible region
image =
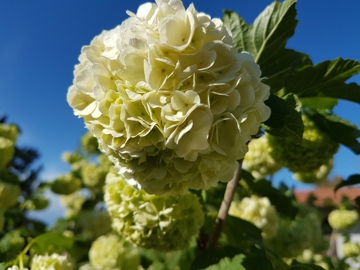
(225, 205)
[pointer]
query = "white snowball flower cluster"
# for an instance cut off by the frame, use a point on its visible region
(259, 211)
(51, 262)
(350, 249)
(258, 160)
(169, 99)
(112, 252)
(15, 267)
(164, 223)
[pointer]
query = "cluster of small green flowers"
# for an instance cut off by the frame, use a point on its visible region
(15, 267)
(93, 223)
(73, 203)
(317, 176)
(342, 219)
(169, 99)
(161, 222)
(309, 256)
(258, 161)
(350, 249)
(8, 137)
(51, 262)
(258, 211)
(315, 149)
(112, 252)
(294, 236)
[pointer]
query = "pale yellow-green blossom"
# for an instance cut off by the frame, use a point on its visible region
(109, 252)
(258, 161)
(342, 219)
(259, 211)
(66, 184)
(164, 223)
(10, 132)
(15, 267)
(169, 99)
(51, 262)
(93, 223)
(9, 194)
(350, 249)
(315, 149)
(73, 203)
(89, 144)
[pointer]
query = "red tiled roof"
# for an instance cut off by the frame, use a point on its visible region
(325, 193)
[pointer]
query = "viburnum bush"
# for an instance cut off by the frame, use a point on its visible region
(188, 117)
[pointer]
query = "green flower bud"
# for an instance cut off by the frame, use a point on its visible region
(71, 158)
(258, 211)
(350, 249)
(161, 222)
(10, 132)
(93, 223)
(343, 219)
(39, 202)
(89, 144)
(66, 184)
(315, 149)
(94, 175)
(317, 176)
(7, 150)
(294, 236)
(9, 194)
(53, 261)
(73, 202)
(112, 252)
(258, 161)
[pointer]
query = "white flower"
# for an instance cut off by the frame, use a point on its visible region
(51, 262)
(112, 252)
(169, 99)
(258, 211)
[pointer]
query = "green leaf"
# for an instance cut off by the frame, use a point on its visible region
(338, 129)
(237, 230)
(321, 103)
(229, 264)
(279, 111)
(282, 66)
(293, 126)
(326, 79)
(352, 180)
(213, 256)
(257, 262)
(50, 241)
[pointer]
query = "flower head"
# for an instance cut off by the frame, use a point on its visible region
(161, 222)
(258, 211)
(51, 262)
(342, 219)
(112, 252)
(169, 99)
(9, 194)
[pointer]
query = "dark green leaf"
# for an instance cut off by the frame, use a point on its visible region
(338, 129)
(213, 256)
(357, 200)
(279, 112)
(352, 180)
(237, 230)
(294, 126)
(326, 79)
(257, 262)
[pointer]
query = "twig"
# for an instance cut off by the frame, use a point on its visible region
(225, 205)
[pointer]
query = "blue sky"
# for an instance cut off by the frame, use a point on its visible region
(41, 40)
